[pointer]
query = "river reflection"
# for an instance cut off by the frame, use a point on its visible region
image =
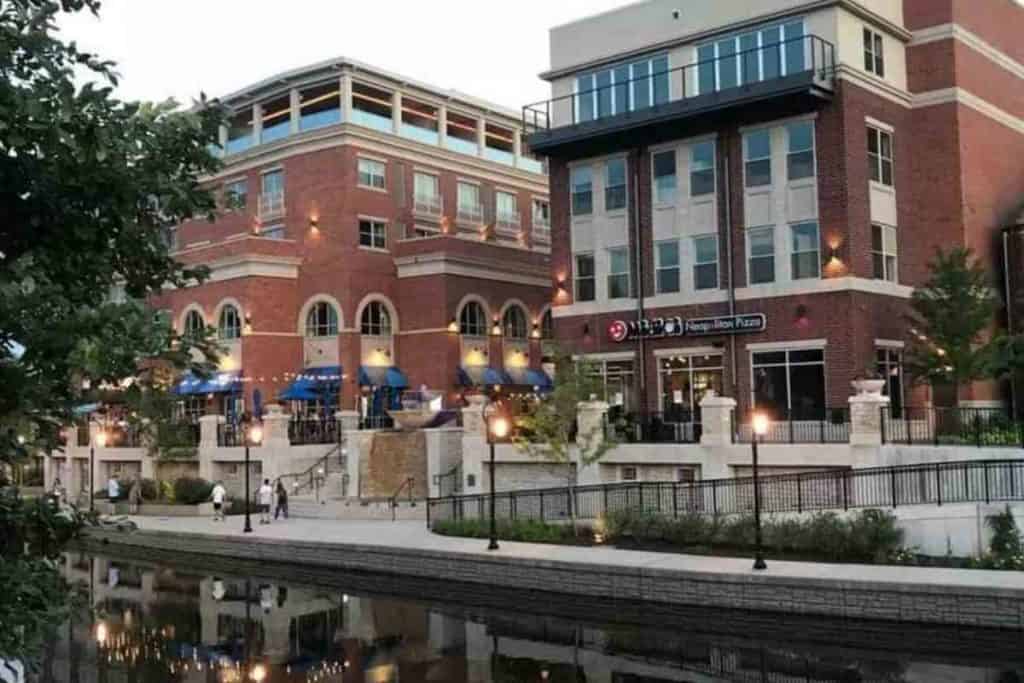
(153, 623)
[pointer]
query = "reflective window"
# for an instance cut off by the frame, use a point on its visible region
(664, 167)
(582, 189)
(618, 273)
(757, 154)
(705, 267)
(375, 320)
(806, 251)
(790, 384)
(322, 320)
(800, 156)
(229, 326)
(473, 320)
(761, 248)
(513, 323)
(702, 168)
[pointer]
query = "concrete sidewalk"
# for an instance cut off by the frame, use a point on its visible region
(967, 597)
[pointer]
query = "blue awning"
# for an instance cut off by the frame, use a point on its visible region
(312, 384)
(86, 409)
(530, 378)
(381, 376)
(481, 375)
(219, 383)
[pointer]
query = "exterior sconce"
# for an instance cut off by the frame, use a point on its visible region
(453, 326)
(536, 331)
(496, 328)
(833, 256)
(247, 329)
(314, 224)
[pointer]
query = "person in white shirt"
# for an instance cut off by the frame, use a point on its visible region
(113, 489)
(266, 498)
(218, 494)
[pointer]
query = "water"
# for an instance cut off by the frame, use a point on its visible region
(206, 620)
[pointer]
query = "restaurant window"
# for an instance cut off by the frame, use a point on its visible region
(874, 58)
(513, 323)
(702, 168)
(473, 320)
(664, 164)
(705, 266)
(757, 155)
(375, 321)
(584, 277)
(685, 380)
(372, 173)
(229, 326)
(806, 254)
(790, 384)
(889, 365)
(616, 380)
(880, 161)
(800, 155)
(761, 255)
(883, 252)
(618, 273)
(666, 278)
(615, 185)
(582, 188)
(322, 320)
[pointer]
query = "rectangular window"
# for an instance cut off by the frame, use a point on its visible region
(618, 273)
(621, 91)
(629, 473)
(371, 173)
(615, 184)
(541, 212)
(582, 188)
(795, 47)
(603, 81)
(706, 69)
(235, 195)
(757, 154)
(806, 250)
(800, 156)
(884, 252)
(621, 88)
(373, 234)
(761, 252)
(790, 384)
(641, 85)
(425, 186)
(880, 156)
(874, 59)
(272, 194)
(705, 266)
(889, 365)
(469, 207)
(665, 177)
(273, 183)
(659, 67)
(584, 274)
(666, 277)
(702, 168)
(585, 98)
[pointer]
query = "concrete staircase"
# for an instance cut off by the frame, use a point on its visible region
(355, 509)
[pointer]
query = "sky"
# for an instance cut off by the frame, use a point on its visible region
(178, 49)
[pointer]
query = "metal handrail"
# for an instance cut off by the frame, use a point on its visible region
(393, 500)
(307, 479)
(537, 116)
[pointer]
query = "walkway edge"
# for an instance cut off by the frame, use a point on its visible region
(976, 606)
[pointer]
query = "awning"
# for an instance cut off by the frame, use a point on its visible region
(382, 376)
(219, 383)
(481, 375)
(313, 383)
(529, 377)
(86, 409)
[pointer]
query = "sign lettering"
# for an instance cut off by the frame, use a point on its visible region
(675, 326)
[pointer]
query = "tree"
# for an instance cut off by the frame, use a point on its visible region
(953, 314)
(550, 430)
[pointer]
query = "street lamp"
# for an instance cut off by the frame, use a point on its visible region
(497, 428)
(99, 440)
(760, 427)
(253, 435)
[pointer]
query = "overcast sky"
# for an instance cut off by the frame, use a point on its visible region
(177, 49)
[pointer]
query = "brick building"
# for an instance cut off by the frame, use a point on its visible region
(744, 194)
(378, 234)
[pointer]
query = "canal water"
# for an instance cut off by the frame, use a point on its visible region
(202, 620)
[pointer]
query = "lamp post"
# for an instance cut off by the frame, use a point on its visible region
(497, 428)
(253, 435)
(760, 428)
(99, 440)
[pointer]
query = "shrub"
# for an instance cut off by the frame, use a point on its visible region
(192, 491)
(524, 530)
(149, 489)
(874, 536)
(167, 492)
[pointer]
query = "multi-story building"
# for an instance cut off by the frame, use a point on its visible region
(744, 193)
(377, 234)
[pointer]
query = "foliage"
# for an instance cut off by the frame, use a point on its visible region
(150, 489)
(524, 530)
(953, 314)
(192, 491)
(167, 492)
(1006, 550)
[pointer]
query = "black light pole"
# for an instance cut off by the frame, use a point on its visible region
(101, 440)
(251, 434)
(497, 426)
(759, 425)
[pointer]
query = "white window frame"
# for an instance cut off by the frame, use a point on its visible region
(378, 232)
(576, 275)
(572, 189)
(659, 267)
(887, 276)
(628, 273)
(747, 160)
(625, 183)
(464, 211)
(770, 229)
(375, 164)
(793, 253)
(874, 52)
(813, 150)
(697, 263)
(659, 200)
(714, 166)
(877, 161)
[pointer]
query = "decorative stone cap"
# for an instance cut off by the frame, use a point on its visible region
(713, 400)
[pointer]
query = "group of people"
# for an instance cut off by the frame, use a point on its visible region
(264, 495)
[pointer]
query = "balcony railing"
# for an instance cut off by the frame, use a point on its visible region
(304, 431)
(801, 55)
(674, 427)
(507, 225)
(271, 206)
(981, 427)
(428, 205)
(818, 425)
(230, 435)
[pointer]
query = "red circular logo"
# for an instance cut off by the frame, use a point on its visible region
(618, 331)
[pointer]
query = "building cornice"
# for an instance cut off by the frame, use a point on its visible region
(423, 265)
(254, 265)
(968, 99)
(957, 32)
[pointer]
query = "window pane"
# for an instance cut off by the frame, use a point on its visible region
(872, 141)
(706, 69)
(878, 266)
(758, 144)
(886, 172)
(621, 91)
(659, 66)
(876, 237)
(749, 62)
(889, 240)
(706, 249)
(771, 394)
(705, 276)
(759, 173)
(800, 165)
(584, 265)
(641, 85)
(668, 280)
(795, 46)
(604, 93)
(771, 57)
(805, 237)
(618, 260)
(702, 165)
(807, 391)
(582, 179)
(762, 270)
(727, 63)
(885, 145)
(615, 184)
(879, 57)
(762, 241)
(665, 176)
(890, 268)
(805, 265)
(769, 358)
(618, 286)
(585, 105)
(800, 136)
(668, 254)
(807, 356)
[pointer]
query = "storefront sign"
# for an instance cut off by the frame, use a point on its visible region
(675, 326)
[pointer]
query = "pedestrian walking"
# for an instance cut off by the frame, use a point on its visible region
(218, 494)
(113, 489)
(282, 500)
(266, 498)
(135, 496)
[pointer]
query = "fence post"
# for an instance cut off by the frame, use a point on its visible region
(938, 483)
(542, 506)
(799, 494)
(512, 505)
(640, 487)
(967, 483)
(605, 491)
(428, 512)
(908, 422)
(977, 430)
(714, 496)
(789, 415)
(822, 425)
(675, 499)
(988, 497)
(881, 422)
(846, 489)
(892, 473)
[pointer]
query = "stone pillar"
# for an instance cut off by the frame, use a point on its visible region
(350, 452)
(345, 86)
(442, 125)
(295, 106)
(866, 418)
(481, 136)
(473, 422)
(396, 112)
(590, 420)
(207, 444)
(716, 414)
(148, 467)
(517, 146)
(275, 427)
(257, 124)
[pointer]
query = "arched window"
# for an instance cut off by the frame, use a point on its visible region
(513, 325)
(473, 320)
(230, 324)
(322, 320)
(194, 324)
(547, 326)
(376, 321)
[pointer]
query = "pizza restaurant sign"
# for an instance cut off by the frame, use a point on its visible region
(653, 328)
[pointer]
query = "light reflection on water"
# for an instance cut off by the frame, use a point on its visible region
(153, 623)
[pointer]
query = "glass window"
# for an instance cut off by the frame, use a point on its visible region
(469, 201)
(874, 59)
(582, 184)
(615, 184)
(473, 320)
(373, 234)
(620, 97)
(706, 69)
(322, 320)
(750, 63)
(617, 381)
(541, 212)
(883, 252)
(513, 323)
(659, 67)
(547, 325)
(665, 177)
(273, 232)
(757, 150)
(230, 324)
(790, 384)
(425, 186)
(603, 82)
(727, 64)
(795, 45)
(705, 267)
(506, 205)
(667, 268)
(585, 98)
(800, 158)
(889, 364)
(375, 321)
(584, 275)
(194, 325)
(806, 259)
(641, 84)
(618, 273)
(685, 380)
(273, 183)
(771, 52)
(880, 156)
(235, 195)
(702, 168)
(371, 173)
(761, 245)
(629, 473)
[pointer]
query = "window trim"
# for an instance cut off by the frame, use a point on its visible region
(313, 307)
(751, 257)
(874, 50)
(576, 278)
(224, 194)
(383, 176)
(658, 267)
(884, 254)
(876, 161)
(374, 223)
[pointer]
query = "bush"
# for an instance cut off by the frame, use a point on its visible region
(167, 492)
(1006, 551)
(192, 491)
(150, 489)
(524, 530)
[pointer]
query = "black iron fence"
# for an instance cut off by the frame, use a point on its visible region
(973, 481)
(376, 422)
(183, 434)
(304, 431)
(230, 435)
(648, 427)
(816, 425)
(952, 427)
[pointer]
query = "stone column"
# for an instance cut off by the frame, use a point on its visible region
(866, 418)
(481, 136)
(275, 427)
(147, 469)
(396, 112)
(474, 443)
(207, 444)
(295, 107)
(442, 125)
(716, 414)
(473, 422)
(257, 124)
(350, 452)
(591, 418)
(517, 145)
(345, 86)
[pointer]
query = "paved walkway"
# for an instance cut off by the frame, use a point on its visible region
(406, 535)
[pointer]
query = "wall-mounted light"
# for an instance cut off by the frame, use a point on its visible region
(496, 328)
(536, 330)
(453, 326)
(314, 224)
(247, 329)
